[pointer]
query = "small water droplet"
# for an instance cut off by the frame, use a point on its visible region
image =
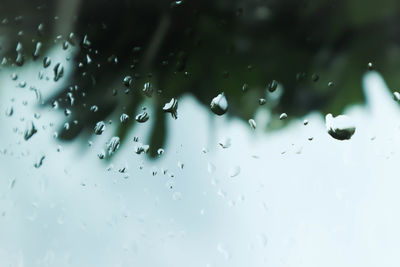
(172, 107)
(58, 71)
(9, 111)
(46, 62)
(396, 96)
(283, 116)
(113, 145)
(262, 101)
(272, 86)
(252, 124)
(127, 81)
(94, 108)
(99, 127)
(142, 117)
(38, 47)
(124, 118)
(39, 163)
(29, 131)
(160, 151)
(305, 122)
(234, 171)
(148, 89)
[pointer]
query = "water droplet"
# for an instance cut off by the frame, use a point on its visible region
(142, 117)
(180, 165)
(172, 107)
(9, 111)
(39, 163)
(140, 148)
(124, 118)
(315, 77)
(340, 127)
(67, 112)
(305, 122)
(272, 86)
(234, 171)
(252, 124)
(210, 167)
(262, 101)
(225, 143)
(46, 62)
(219, 104)
(85, 42)
(94, 108)
(38, 47)
(396, 96)
(14, 76)
(101, 154)
(160, 151)
(148, 89)
(245, 87)
(330, 84)
(127, 81)
(99, 127)
(29, 131)
(113, 145)
(283, 116)
(371, 66)
(58, 71)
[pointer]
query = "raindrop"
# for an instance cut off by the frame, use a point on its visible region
(40, 29)
(142, 117)
(29, 131)
(124, 118)
(46, 62)
(94, 108)
(160, 151)
(305, 122)
(140, 148)
(272, 86)
(113, 145)
(180, 165)
(38, 47)
(67, 112)
(172, 107)
(88, 59)
(262, 101)
(340, 127)
(58, 71)
(39, 163)
(330, 84)
(148, 89)
(210, 167)
(252, 124)
(20, 59)
(245, 87)
(225, 143)
(14, 76)
(219, 104)
(315, 77)
(283, 116)
(99, 127)
(9, 111)
(101, 154)
(371, 66)
(86, 43)
(127, 81)
(235, 171)
(396, 96)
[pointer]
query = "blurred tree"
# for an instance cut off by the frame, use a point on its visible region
(316, 49)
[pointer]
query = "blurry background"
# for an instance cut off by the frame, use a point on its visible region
(284, 194)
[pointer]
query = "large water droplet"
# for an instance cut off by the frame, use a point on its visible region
(46, 62)
(219, 104)
(252, 124)
(124, 118)
(340, 127)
